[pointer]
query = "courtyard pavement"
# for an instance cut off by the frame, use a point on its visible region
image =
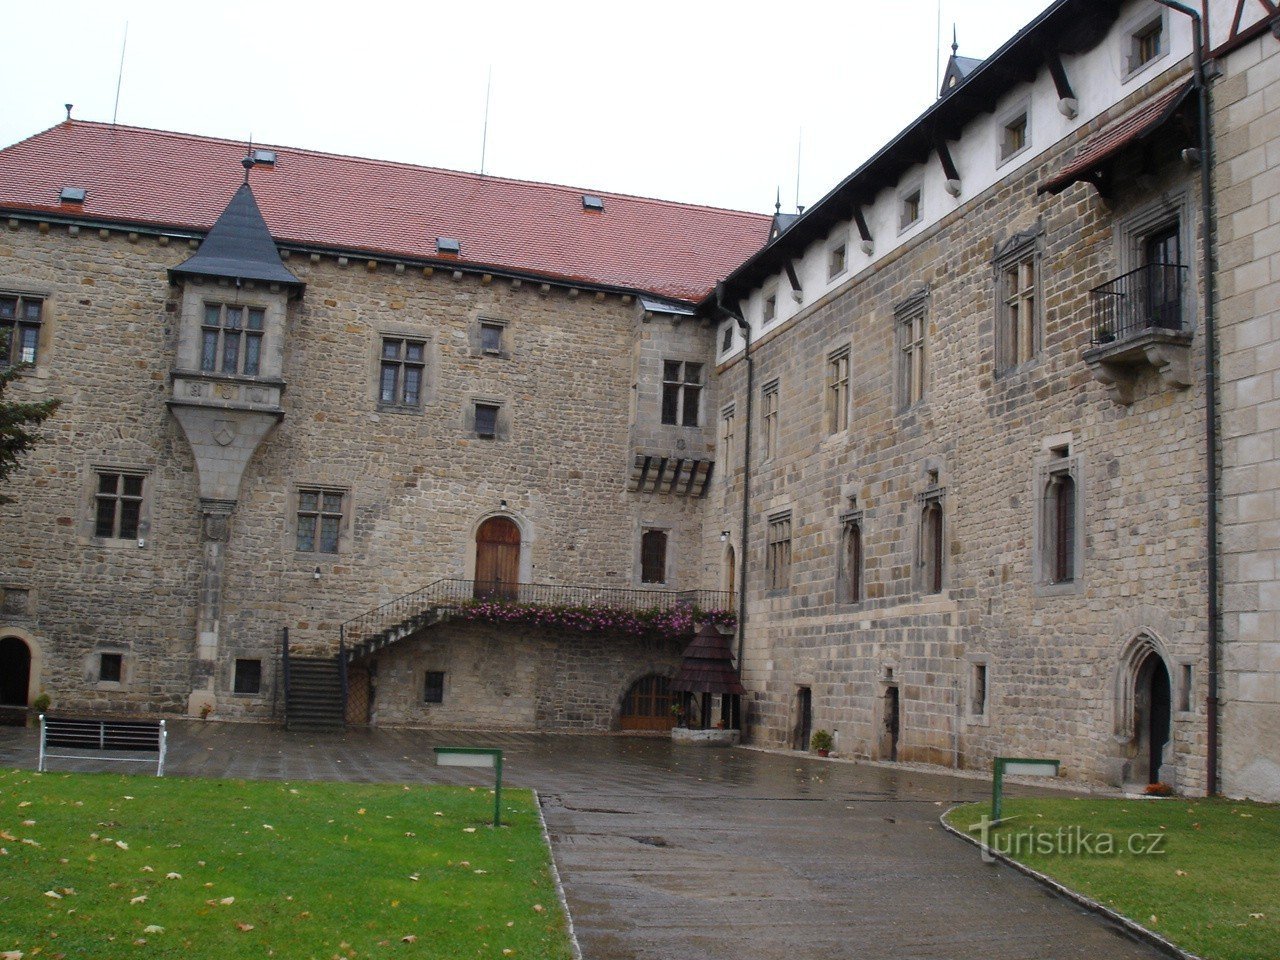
(685, 853)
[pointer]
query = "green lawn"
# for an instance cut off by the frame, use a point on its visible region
(102, 866)
(1213, 888)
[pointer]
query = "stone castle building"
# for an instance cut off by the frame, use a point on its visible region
(942, 442)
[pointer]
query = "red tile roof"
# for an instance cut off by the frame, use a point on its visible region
(1143, 119)
(182, 181)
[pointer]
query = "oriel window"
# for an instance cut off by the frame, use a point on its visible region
(231, 339)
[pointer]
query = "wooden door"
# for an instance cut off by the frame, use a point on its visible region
(498, 559)
(648, 705)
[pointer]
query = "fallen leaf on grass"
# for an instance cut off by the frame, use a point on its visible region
(468, 829)
(1180, 873)
(508, 952)
(24, 803)
(53, 894)
(148, 869)
(173, 876)
(141, 899)
(28, 823)
(414, 876)
(438, 814)
(11, 955)
(153, 929)
(1257, 916)
(244, 927)
(538, 908)
(411, 938)
(227, 901)
(267, 826)
(122, 845)
(361, 811)
(29, 842)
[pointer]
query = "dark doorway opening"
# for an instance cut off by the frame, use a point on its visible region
(1153, 698)
(804, 719)
(648, 705)
(892, 724)
(15, 672)
(498, 559)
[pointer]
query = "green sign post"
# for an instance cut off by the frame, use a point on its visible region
(1017, 767)
(476, 757)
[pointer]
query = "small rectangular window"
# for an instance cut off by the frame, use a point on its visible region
(248, 676)
(20, 319)
(770, 309)
(653, 556)
(1146, 44)
(401, 374)
(681, 393)
(433, 687)
(491, 337)
(910, 209)
(1013, 137)
(110, 667)
(321, 514)
(837, 260)
(486, 420)
(118, 505)
(726, 338)
(1186, 688)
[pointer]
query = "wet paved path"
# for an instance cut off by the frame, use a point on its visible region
(680, 853)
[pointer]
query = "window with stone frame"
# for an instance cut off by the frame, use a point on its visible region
(110, 668)
(769, 419)
(681, 392)
(837, 259)
(1014, 135)
(911, 321)
(321, 517)
(979, 689)
(849, 572)
(910, 207)
(1059, 522)
(728, 425)
(433, 687)
(769, 307)
(486, 419)
(20, 319)
(248, 676)
(931, 553)
(778, 556)
(401, 372)
(1018, 314)
(653, 557)
(491, 336)
(838, 390)
(1146, 43)
(118, 504)
(231, 339)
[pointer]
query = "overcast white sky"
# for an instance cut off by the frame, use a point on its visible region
(692, 101)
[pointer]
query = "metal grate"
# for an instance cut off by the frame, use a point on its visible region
(1149, 298)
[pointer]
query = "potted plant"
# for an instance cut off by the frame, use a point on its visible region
(1104, 332)
(821, 742)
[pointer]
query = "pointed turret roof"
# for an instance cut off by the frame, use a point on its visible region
(239, 247)
(708, 665)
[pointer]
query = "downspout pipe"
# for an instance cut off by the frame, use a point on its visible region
(1210, 387)
(745, 327)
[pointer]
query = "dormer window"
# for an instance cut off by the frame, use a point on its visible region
(448, 245)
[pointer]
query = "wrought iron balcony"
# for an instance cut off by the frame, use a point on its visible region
(1149, 298)
(1140, 322)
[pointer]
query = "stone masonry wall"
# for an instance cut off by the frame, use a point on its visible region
(418, 483)
(1247, 188)
(1053, 653)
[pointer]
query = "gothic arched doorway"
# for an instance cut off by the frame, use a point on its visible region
(647, 705)
(1152, 701)
(498, 559)
(15, 672)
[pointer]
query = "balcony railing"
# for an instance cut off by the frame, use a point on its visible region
(1149, 298)
(444, 593)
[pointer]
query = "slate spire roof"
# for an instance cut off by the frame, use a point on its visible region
(708, 665)
(238, 246)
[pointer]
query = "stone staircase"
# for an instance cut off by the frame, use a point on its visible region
(314, 696)
(396, 632)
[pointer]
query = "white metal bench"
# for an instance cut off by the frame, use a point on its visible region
(96, 739)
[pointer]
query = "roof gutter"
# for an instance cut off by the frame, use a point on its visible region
(1211, 393)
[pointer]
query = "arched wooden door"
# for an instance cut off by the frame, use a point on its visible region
(15, 672)
(648, 705)
(498, 559)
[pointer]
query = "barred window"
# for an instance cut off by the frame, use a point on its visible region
(486, 420)
(20, 319)
(433, 687)
(778, 558)
(118, 505)
(400, 380)
(681, 392)
(231, 339)
(320, 518)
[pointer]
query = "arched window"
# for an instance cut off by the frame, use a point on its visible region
(850, 572)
